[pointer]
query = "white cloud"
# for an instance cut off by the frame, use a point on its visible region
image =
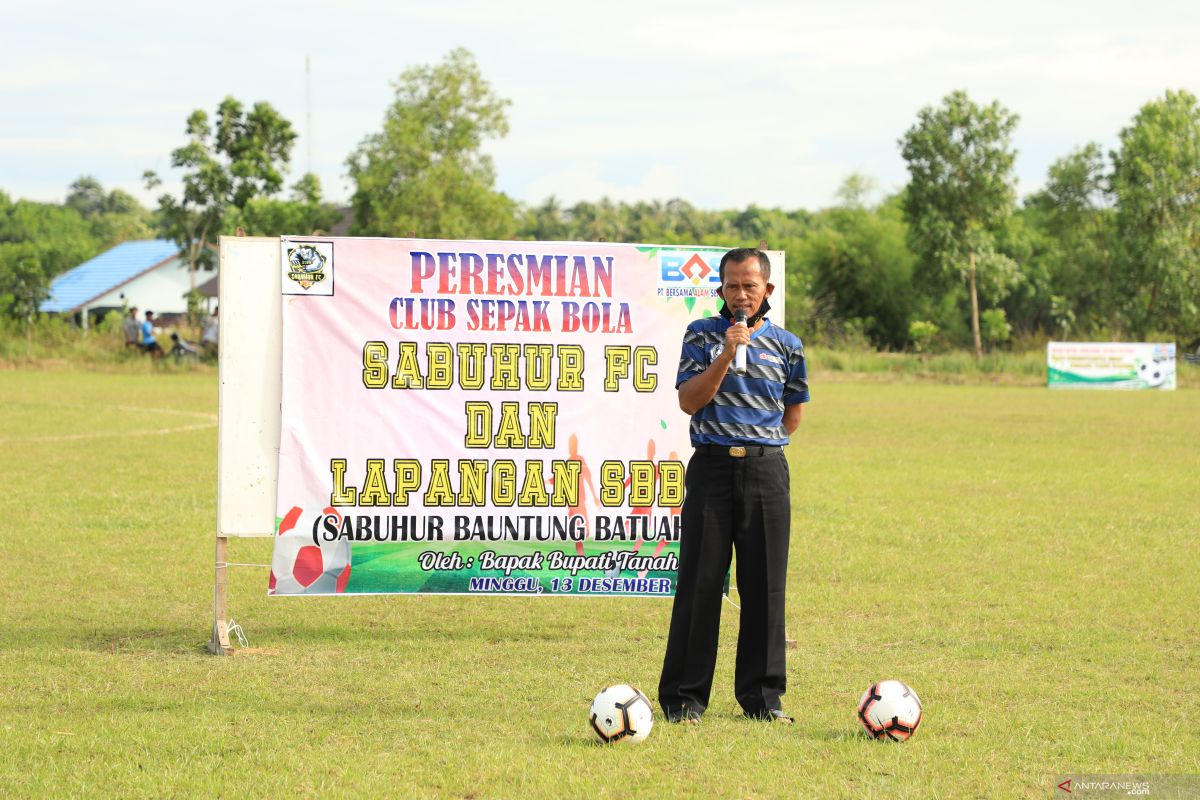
(583, 181)
(769, 101)
(101, 140)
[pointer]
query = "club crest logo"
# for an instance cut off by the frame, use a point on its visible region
(309, 266)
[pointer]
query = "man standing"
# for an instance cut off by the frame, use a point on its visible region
(149, 343)
(737, 495)
(131, 327)
(210, 335)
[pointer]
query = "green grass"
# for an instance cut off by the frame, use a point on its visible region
(56, 343)
(1026, 559)
(959, 366)
(1000, 367)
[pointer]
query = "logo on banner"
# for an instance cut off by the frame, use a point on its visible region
(309, 266)
(689, 272)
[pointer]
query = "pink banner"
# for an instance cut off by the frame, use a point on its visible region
(483, 417)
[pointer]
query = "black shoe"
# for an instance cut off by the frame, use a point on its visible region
(771, 715)
(684, 715)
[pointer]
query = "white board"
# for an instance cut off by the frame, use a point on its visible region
(250, 376)
(1110, 365)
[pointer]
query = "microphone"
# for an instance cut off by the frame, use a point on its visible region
(739, 357)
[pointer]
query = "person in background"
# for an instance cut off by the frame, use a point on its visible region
(131, 328)
(149, 343)
(209, 336)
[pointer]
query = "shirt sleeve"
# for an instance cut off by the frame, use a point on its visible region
(796, 389)
(692, 360)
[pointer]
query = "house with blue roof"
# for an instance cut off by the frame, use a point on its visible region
(148, 274)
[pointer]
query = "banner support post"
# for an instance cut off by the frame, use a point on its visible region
(219, 643)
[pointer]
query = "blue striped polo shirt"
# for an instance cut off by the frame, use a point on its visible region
(747, 409)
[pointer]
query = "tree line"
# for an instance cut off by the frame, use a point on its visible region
(1109, 248)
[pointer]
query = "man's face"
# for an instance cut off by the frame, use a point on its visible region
(744, 286)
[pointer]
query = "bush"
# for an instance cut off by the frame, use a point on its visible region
(994, 327)
(53, 340)
(922, 332)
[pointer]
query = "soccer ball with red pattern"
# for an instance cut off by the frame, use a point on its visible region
(301, 566)
(621, 714)
(890, 710)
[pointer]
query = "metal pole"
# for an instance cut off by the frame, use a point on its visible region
(308, 135)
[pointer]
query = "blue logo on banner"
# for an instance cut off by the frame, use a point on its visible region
(690, 268)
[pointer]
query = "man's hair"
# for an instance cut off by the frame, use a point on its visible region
(149, 313)
(740, 254)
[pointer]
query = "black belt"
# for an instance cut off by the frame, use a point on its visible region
(738, 451)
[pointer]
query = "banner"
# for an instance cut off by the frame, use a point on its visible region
(1110, 365)
(485, 417)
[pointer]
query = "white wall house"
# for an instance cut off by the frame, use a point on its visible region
(147, 274)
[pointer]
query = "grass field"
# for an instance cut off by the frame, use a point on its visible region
(1026, 560)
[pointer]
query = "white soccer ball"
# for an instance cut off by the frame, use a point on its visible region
(621, 714)
(890, 710)
(1152, 372)
(301, 566)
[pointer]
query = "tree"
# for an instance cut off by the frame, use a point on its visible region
(855, 190)
(861, 268)
(546, 222)
(303, 212)
(86, 196)
(1071, 226)
(60, 234)
(37, 241)
(25, 282)
(242, 157)
(601, 221)
(961, 190)
(1027, 291)
(1076, 184)
(115, 216)
(996, 329)
(1156, 182)
(425, 171)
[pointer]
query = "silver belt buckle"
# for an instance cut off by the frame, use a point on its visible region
(737, 452)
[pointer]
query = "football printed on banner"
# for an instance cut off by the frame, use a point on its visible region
(1153, 372)
(302, 566)
(307, 268)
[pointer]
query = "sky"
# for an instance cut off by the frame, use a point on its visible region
(767, 102)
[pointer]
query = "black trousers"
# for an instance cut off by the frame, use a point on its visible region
(740, 503)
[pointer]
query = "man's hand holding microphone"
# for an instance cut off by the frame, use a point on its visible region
(696, 393)
(737, 337)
